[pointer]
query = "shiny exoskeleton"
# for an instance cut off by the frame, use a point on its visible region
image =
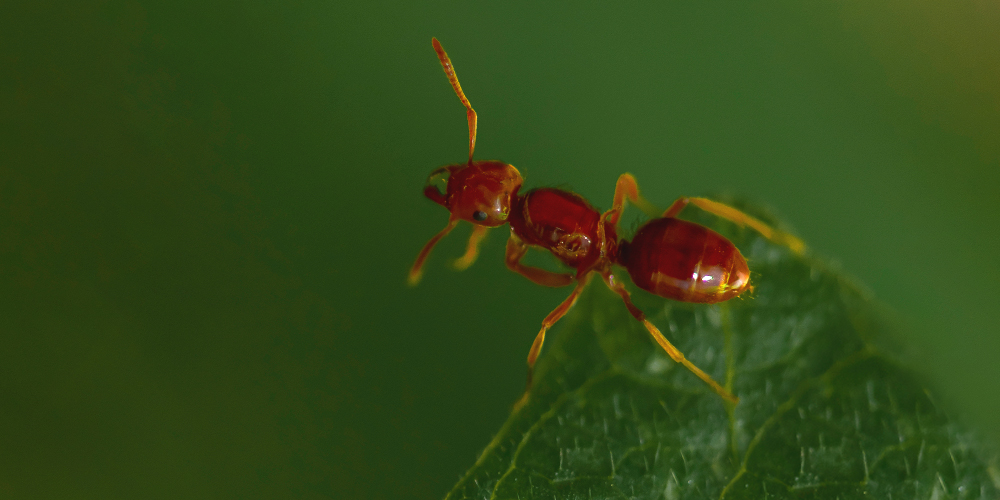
(684, 261)
(669, 257)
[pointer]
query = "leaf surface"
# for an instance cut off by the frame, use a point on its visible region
(828, 406)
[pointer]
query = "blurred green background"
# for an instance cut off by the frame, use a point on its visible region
(207, 211)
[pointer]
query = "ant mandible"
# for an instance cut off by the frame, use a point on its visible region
(669, 257)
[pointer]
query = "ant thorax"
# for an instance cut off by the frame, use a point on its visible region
(561, 222)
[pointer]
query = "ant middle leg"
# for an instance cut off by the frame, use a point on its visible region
(627, 189)
(737, 216)
(551, 319)
(674, 353)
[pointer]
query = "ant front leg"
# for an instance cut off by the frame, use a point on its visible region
(472, 250)
(416, 272)
(734, 215)
(673, 352)
(516, 249)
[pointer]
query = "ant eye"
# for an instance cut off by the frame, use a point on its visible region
(479, 215)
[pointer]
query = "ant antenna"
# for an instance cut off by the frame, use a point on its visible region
(449, 71)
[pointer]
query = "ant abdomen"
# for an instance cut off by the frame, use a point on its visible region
(684, 261)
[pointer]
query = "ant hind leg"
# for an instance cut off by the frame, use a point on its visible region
(737, 216)
(673, 352)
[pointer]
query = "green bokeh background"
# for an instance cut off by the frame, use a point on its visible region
(207, 210)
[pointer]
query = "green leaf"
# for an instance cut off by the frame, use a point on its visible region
(828, 407)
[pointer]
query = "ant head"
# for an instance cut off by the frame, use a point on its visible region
(481, 192)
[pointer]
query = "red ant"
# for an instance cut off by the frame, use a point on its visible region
(668, 256)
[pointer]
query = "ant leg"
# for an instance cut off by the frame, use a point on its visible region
(472, 251)
(515, 252)
(731, 214)
(673, 352)
(416, 272)
(551, 319)
(449, 71)
(627, 189)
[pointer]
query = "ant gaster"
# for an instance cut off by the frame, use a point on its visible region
(667, 256)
